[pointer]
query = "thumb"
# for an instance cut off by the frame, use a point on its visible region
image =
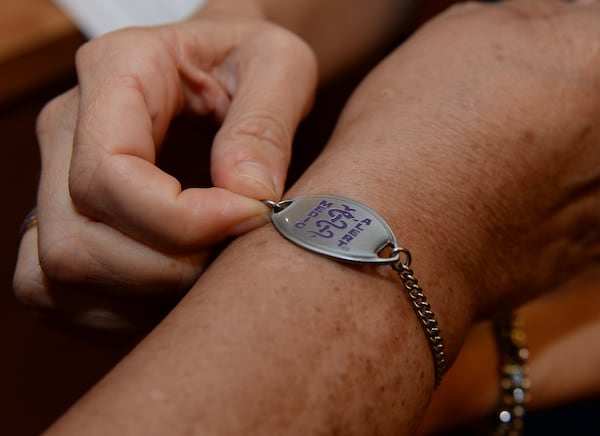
(272, 82)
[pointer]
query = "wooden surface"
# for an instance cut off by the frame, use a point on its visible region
(37, 45)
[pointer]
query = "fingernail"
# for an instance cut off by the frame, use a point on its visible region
(250, 224)
(259, 176)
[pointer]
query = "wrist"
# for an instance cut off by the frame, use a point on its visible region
(426, 171)
(352, 324)
(443, 245)
(447, 288)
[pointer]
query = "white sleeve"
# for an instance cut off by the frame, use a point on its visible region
(96, 17)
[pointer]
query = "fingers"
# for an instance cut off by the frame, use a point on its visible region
(126, 105)
(28, 279)
(272, 81)
(72, 247)
(108, 217)
(67, 250)
(79, 308)
(85, 307)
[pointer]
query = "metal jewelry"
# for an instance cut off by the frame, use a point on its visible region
(350, 231)
(29, 222)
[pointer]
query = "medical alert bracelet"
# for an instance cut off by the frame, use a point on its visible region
(350, 231)
(511, 342)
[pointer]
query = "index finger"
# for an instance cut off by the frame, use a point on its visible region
(126, 105)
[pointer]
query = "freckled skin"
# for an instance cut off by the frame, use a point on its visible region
(248, 352)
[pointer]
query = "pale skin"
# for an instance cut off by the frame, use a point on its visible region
(108, 218)
(447, 126)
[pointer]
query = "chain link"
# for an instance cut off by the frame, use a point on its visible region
(423, 311)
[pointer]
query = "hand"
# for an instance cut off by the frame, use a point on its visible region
(112, 220)
(458, 142)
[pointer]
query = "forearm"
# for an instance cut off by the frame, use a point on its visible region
(273, 340)
(276, 340)
(452, 150)
(341, 32)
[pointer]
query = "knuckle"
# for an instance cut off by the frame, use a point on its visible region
(90, 52)
(291, 47)
(89, 179)
(82, 177)
(53, 115)
(79, 185)
(63, 260)
(270, 41)
(98, 50)
(263, 129)
(304, 54)
(294, 45)
(55, 126)
(47, 116)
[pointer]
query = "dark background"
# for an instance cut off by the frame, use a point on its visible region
(42, 371)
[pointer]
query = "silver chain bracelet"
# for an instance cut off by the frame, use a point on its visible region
(350, 231)
(424, 312)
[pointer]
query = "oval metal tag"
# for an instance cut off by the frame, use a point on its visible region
(336, 227)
